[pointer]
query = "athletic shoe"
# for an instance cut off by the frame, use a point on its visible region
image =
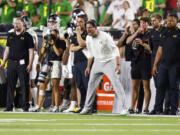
(51, 108)
(36, 109)
(63, 107)
(55, 109)
(124, 113)
(154, 112)
(76, 110)
(146, 111)
(68, 110)
(86, 111)
(131, 111)
(8, 110)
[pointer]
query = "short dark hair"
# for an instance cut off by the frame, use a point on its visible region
(173, 15)
(55, 30)
(137, 21)
(157, 16)
(83, 17)
(92, 22)
(145, 19)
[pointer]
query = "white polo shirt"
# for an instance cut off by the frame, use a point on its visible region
(102, 47)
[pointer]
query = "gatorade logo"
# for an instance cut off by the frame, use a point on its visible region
(108, 86)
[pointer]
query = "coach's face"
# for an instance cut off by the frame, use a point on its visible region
(18, 25)
(155, 22)
(171, 22)
(91, 30)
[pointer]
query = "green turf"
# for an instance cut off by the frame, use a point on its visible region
(62, 124)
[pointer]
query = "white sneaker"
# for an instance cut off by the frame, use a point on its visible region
(86, 111)
(63, 107)
(70, 109)
(124, 112)
(36, 109)
(51, 108)
(55, 109)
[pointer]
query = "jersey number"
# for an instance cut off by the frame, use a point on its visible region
(150, 5)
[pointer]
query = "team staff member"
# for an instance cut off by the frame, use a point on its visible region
(106, 57)
(155, 40)
(80, 61)
(19, 53)
(168, 54)
(141, 62)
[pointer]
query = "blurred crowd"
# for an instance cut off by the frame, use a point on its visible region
(114, 13)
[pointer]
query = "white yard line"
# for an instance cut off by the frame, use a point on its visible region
(92, 130)
(96, 114)
(90, 119)
(94, 124)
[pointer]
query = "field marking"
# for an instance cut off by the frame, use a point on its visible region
(91, 130)
(23, 120)
(94, 124)
(61, 119)
(95, 114)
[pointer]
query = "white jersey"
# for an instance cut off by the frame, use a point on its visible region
(32, 32)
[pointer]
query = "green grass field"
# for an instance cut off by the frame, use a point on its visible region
(68, 124)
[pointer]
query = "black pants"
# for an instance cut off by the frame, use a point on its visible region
(81, 80)
(167, 77)
(15, 71)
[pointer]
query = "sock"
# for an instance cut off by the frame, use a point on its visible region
(34, 94)
(65, 102)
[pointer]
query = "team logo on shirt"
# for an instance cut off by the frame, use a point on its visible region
(22, 38)
(174, 36)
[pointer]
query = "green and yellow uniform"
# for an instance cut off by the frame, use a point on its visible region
(64, 6)
(19, 5)
(44, 13)
(149, 4)
(29, 7)
(8, 13)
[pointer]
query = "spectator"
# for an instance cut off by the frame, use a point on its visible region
(154, 6)
(64, 9)
(125, 17)
(8, 11)
(114, 10)
(103, 9)
(90, 9)
(79, 4)
(171, 5)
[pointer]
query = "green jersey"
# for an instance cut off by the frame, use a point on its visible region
(19, 5)
(44, 13)
(29, 7)
(149, 4)
(64, 6)
(8, 13)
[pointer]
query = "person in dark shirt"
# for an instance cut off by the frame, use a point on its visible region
(169, 58)
(19, 53)
(78, 43)
(128, 57)
(156, 40)
(141, 62)
(53, 47)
